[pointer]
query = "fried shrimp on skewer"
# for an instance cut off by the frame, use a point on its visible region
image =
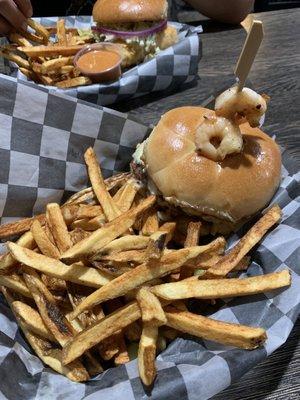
(236, 105)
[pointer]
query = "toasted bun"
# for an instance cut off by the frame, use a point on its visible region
(232, 189)
(121, 11)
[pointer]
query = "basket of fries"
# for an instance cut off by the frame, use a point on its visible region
(44, 54)
(96, 279)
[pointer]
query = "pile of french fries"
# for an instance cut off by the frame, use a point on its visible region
(101, 279)
(47, 61)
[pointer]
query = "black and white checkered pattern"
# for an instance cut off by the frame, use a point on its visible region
(42, 140)
(168, 70)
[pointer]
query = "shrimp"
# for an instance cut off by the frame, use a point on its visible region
(216, 137)
(246, 103)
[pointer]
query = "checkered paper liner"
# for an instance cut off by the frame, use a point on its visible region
(169, 69)
(42, 140)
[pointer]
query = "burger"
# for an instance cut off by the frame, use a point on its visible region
(139, 26)
(186, 163)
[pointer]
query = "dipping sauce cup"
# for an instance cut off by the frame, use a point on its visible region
(101, 62)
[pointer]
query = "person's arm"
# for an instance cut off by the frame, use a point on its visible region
(13, 15)
(229, 11)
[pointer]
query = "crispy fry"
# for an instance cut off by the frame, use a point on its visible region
(20, 61)
(226, 333)
(133, 331)
(107, 233)
(78, 81)
(18, 39)
(77, 273)
(156, 245)
(39, 29)
(32, 37)
(122, 356)
(147, 354)
(132, 256)
(53, 318)
(251, 238)
(152, 311)
(32, 320)
(61, 32)
(19, 227)
(16, 286)
(52, 30)
(49, 355)
(108, 205)
(217, 288)
(44, 244)
(169, 228)
(78, 234)
(123, 244)
(139, 275)
(55, 64)
(49, 51)
(127, 195)
(28, 73)
(150, 225)
(45, 80)
(100, 331)
(58, 227)
(7, 262)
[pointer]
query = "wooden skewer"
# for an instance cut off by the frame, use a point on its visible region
(250, 49)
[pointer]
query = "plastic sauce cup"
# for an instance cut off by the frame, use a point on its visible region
(101, 62)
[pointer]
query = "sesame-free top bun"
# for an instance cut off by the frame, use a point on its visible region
(232, 189)
(122, 11)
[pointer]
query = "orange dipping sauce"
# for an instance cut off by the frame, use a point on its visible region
(101, 62)
(96, 61)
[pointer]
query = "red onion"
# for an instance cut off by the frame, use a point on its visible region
(128, 34)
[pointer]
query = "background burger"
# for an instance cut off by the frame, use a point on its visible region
(139, 26)
(224, 192)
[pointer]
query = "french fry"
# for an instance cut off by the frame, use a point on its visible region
(73, 82)
(123, 244)
(32, 37)
(55, 64)
(150, 225)
(147, 354)
(44, 244)
(49, 51)
(107, 233)
(156, 245)
(152, 311)
(16, 286)
(39, 29)
(92, 365)
(133, 331)
(28, 73)
(241, 336)
(127, 195)
(58, 227)
(138, 276)
(78, 234)
(132, 256)
(251, 238)
(53, 318)
(20, 61)
(122, 357)
(100, 331)
(169, 228)
(7, 262)
(193, 234)
(50, 355)
(77, 273)
(45, 80)
(18, 39)
(52, 30)
(61, 32)
(32, 320)
(217, 288)
(109, 207)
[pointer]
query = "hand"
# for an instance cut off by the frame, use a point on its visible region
(13, 15)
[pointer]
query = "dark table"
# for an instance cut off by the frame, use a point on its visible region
(275, 72)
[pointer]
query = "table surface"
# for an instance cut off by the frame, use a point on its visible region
(275, 72)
